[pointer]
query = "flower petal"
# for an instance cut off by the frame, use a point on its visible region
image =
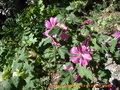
(69, 67)
(54, 36)
(53, 21)
(58, 24)
(63, 27)
(55, 43)
(83, 62)
(74, 50)
(47, 24)
(64, 36)
(87, 56)
(90, 50)
(116, 34)
(83, 48)
(46, 33)
(74, 59)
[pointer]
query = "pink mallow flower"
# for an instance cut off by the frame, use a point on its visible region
(50, 24)
(53, 22)
(69, 67)
(82, 55)
(117, 34)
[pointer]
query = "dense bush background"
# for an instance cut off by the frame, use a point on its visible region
(27, 58)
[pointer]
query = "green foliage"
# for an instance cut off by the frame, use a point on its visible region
(13, 83)
(83, 71)
(62, 51)
(29, 61)
(55, 31)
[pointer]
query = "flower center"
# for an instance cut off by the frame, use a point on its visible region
(80, 54)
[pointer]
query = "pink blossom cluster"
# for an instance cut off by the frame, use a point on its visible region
(49, 25)
(81, 54)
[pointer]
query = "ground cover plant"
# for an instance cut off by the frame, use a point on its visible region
(52, 43)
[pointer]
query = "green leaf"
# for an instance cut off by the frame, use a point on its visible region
(45, 41)
(7, 84)
(55, 31)
(105, 80)
(112, 45)
(96, 46)
(48, 40)
(59, 17)
(62, 52)
(72, 19)
(15, 81)
(66, 80)
(16, 66)
(101, 73)
(83, 71)
(70, 8)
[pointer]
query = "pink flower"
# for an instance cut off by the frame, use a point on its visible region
(63, 27)
(46, 34)
(51, 23)
(82, 55)
(69, 67)
(55, 43)
(117, 34)
(77, 78)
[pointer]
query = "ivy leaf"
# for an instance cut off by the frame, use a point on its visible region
(7, 84)
(16, 66)
(30, 83)
(14, 83)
